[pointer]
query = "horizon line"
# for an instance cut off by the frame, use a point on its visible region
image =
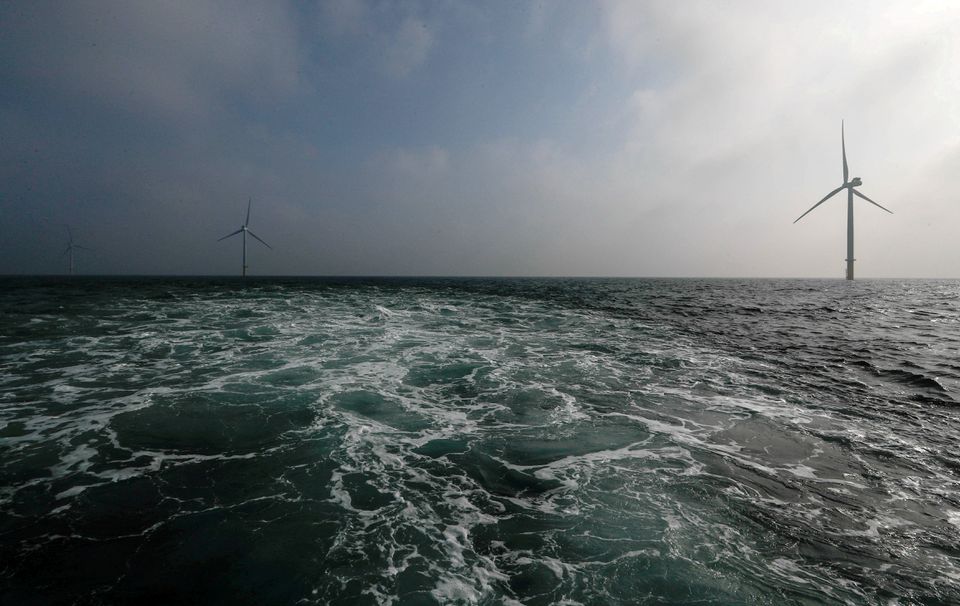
(461, 276)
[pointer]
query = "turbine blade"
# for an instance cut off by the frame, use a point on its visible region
(66, 250)
(856, 193)
(233, 234)
(825, 198)
(69, 234)
(843, 146)
(261, 241)
(247, 222)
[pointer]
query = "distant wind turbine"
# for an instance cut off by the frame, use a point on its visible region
(71, 247)
(849, 185)
(246, 230)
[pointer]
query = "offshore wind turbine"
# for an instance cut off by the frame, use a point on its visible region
(71, 247)
(849, 185)
(244, 229)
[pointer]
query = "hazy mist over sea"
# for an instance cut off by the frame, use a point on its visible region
(609, 138)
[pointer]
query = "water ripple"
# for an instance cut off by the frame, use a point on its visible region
(479, 441)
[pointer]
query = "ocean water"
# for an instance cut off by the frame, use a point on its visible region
(488, 441)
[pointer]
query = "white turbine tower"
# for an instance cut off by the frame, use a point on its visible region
(245, 230)
(849, 185)
(71, 247)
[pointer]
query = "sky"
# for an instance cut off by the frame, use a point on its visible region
(610, 138)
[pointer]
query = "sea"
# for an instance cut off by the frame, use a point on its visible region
(479, 441)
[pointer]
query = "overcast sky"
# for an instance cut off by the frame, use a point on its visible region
(479, 138)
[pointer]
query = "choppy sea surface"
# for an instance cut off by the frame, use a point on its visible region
(489, 441)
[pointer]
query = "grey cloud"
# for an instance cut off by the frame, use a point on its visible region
(169, 58)
(408, 48)
(395, 38)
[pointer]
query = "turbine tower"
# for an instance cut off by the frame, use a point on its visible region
(246, 230)
(849, 185)
(71, 247)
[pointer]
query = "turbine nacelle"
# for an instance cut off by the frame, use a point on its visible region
(855, 182)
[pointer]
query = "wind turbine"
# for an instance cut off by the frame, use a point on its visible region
(246, 230)
(849, 185)
(71, 247)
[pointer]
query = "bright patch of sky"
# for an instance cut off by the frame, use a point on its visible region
(459, 138)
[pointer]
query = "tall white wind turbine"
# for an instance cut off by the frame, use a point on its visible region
(246, 230)
(72, 247)
(849, 185)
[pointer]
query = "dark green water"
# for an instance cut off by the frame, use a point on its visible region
(425, 441)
